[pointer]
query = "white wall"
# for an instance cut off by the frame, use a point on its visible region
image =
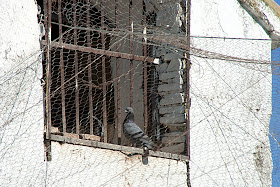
(231, 101)
(86, 166)
(231, 107)
(21, 131)
(21, 109)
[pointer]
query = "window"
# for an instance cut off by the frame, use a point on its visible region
(98, 63)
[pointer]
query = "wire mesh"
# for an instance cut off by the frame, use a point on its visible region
(105, 56)
(100, 56)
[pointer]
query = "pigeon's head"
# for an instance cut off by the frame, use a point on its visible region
(128, 110)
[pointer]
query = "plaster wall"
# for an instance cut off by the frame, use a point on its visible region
(231, 100)
(86, 166)
(21, 131)
(21, 109)
(230, 112)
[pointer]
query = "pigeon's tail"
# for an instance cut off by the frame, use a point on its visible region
(145, 155)
(142, 139)
(147, 142)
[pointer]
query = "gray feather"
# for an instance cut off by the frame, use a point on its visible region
(134, 133)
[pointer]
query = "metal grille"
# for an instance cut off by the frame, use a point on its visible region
(102, 57)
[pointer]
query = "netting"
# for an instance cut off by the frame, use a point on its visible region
(212, 99)
(102, 60)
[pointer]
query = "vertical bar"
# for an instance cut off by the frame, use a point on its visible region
(76, 72)
(47, 138)
(118, 75)
(89, 72)
(62, 78)
(145, 70)
(187, 16)
(48, 69)
(187, 74)
(130, 52)
(104, 75)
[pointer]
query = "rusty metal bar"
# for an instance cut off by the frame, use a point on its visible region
(101, 52)
(145, 70)
(104, 75)
(187, 77)
(62, 73)
(130, 52)
(89, 73)
(47, 137)
(76, 71)
(119, 113)
(48, 8)
(187, 9)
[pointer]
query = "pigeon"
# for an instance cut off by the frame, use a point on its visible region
(133, 132)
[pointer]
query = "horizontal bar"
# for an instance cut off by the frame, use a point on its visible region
(101, 52)
(115, 147)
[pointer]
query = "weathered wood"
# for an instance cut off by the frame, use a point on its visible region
(187, 81)
(114, 147)
(48, 149)
(91, 137)
(48, 16)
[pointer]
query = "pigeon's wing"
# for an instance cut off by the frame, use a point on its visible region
(132, 130)
(135, 134)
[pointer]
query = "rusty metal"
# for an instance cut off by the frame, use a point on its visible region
(76, 72)
(89, 72)
(145, 70)
(48, 8)
(101, 52)
(119, 114)
(130, 52)
(62, 77)
(47, 135)
(104, 75)
(187, 78)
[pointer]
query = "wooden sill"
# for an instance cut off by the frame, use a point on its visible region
(95, 142)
